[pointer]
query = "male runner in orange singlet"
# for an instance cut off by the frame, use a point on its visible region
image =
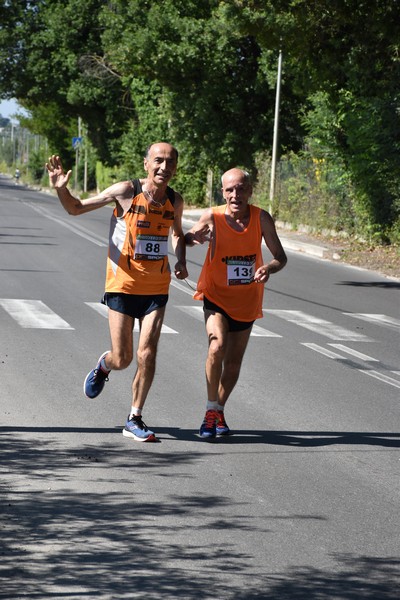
(231, 285)
(138, 273)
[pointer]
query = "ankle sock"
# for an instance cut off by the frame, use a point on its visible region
(212, 405)
(135, 412)
(103, 366)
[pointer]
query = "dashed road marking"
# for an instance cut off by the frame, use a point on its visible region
(381, 377)
(366, 371)
(197, 313)
(33, 314)
(320, 326)
(377, 319)
(354, 353)
(102, 309)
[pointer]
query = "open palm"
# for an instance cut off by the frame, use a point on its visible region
(58, 178)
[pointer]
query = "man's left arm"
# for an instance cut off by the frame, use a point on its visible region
(274, 245)
(178, 239)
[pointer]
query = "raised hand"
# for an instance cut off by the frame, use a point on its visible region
(58, 179)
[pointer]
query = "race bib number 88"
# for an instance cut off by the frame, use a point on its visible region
(151, 247)
(240, 272)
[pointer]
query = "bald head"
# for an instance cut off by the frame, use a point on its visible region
(235, 177)
(236, 190)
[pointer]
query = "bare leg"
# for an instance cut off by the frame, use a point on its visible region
(235, 349)
(225, 355)
(217, 332)
(150, 329)
(121, 333)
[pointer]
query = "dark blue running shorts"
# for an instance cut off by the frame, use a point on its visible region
(233, 325)
(134, 305)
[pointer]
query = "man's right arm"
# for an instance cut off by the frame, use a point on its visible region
(201, 231)
(118, 192)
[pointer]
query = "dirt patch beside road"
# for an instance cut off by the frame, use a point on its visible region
(383, 259)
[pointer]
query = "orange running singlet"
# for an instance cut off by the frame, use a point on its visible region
(227, 278)
(137, 260)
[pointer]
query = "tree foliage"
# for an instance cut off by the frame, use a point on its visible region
(51, 57)
(202, 74)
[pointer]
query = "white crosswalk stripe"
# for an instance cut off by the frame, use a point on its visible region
(320, 326)
(197, 313)
(380, 376)
(322, 350)
(377, 319)
(354, 353)
(189, 287)
(102, 309)
(33, 314)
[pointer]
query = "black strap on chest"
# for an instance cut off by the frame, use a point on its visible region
(137, 189)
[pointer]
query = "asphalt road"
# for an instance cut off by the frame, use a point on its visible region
(302, 502)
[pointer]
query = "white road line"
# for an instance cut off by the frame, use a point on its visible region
(194, 311)
(197, 313)
(320, 326)
(354, 353)
(33, 314)
(188, 286)
(74, 227)
(103, 311)
(324, 351)
(376, 374)
(377, 319)
(381, 377)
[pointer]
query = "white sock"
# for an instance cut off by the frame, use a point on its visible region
(103, 365)
(135, 412)
(212, 405)
(220, 407)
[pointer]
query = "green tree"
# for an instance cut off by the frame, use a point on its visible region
(51, 60)
(202, 74)
(349, 50)
(209, 95)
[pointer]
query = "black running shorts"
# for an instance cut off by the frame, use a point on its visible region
(233, 325)
(134, 305)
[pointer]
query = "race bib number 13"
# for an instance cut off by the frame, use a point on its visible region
(240, 272)
(151, 247)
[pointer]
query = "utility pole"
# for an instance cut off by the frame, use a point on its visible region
(210, 186)
(85, 158)
(77, 153)
(276, 126)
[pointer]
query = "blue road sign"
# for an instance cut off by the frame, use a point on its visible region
(76, 142)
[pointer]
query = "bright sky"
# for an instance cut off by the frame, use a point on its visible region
(9, 107)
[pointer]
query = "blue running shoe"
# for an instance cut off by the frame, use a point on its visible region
(222, 427)
(209, 425)
(135, 428)
(95, 380)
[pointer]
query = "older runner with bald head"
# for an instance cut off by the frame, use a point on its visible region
(231, 285)
(138, 273)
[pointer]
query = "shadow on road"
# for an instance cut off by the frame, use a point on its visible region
(244, 436)
(294, 438)
(113, 538)
(377, 284)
